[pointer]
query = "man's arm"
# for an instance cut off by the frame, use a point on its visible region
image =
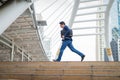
(67, 31)
(62, 34)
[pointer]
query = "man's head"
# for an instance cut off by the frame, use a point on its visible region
(62, 24)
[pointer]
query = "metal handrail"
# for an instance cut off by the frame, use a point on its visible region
(9, 42)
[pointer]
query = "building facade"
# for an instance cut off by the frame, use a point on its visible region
(115, 29)
(114, 47)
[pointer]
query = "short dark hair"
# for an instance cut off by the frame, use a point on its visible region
(62, 22)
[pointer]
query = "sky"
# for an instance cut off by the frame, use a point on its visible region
(54, 11)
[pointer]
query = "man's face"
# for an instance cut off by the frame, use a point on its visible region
(62, 25)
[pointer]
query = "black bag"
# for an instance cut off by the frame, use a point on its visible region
(69, 34)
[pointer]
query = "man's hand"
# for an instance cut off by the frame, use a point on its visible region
(62, 37)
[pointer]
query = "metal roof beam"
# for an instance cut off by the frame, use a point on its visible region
(94, 6)
(97, 12)
(86, 28)
(88, 20)
(88, 1)
(74, 11)
(88, 34)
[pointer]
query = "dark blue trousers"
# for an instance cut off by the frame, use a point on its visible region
(69, 44)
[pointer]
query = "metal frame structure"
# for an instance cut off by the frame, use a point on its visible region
(39, 33)
(106, 19)
(75, 8)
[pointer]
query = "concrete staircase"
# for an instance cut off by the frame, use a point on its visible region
(59, 70)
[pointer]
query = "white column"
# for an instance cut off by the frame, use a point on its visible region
(75, 8)
(107, 33)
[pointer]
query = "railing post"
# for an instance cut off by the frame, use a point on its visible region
(28, 58)
(12, 52)
(22, 55)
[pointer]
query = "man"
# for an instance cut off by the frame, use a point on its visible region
(66, 35)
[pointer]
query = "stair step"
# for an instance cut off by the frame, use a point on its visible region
(60, 70)
(37, 77)
(61, 63)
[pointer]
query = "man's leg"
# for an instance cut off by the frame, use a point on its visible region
(76, 51)
(64, 44)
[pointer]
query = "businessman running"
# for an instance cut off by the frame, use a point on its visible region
(66, 35)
